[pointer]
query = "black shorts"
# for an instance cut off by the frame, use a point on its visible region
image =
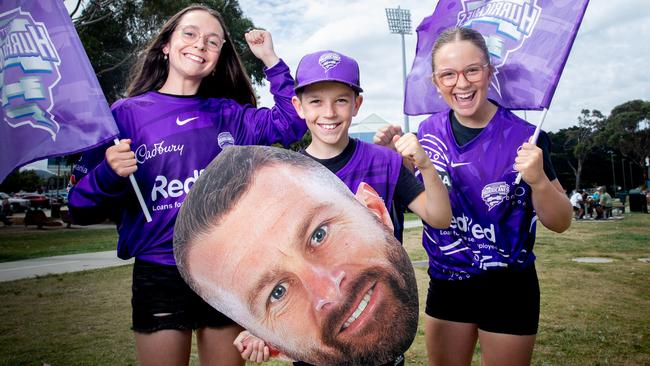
(504, 302)
(162, 300)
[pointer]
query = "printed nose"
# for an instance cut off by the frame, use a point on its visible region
(324, 286)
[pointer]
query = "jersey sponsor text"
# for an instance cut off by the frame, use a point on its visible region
(464, 224)
(173, 188)
(143, 153)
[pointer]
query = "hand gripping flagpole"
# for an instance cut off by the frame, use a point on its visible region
(145, 211)
(534, 139)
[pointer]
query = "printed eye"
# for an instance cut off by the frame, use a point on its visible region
(278, 292)
(318, 236)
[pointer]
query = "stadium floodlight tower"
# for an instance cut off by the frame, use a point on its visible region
(399, 22)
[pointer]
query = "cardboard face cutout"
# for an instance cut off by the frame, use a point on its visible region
(278, 243)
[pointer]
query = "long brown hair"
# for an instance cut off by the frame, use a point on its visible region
(229, 79)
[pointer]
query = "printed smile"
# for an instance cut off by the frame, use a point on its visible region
(194, 58)
(360, 308)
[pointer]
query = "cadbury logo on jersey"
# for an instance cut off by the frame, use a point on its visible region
(144, 153)
(494, 193)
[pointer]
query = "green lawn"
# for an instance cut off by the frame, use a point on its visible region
(17, 242)
(410, 216)
(592, 314)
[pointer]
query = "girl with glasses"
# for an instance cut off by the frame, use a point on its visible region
(189, 98)
(483, 284)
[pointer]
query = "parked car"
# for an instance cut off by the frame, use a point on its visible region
(17, 204)
(64, 197)
(36, 200)
(61, 198)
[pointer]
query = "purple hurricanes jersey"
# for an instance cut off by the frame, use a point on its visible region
(375, 165)
(174, 138)
(493, 222)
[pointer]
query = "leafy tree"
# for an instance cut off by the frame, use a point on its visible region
(582, 139)
(302, 144)
(628, 128)
(561, 155)
(17, 181)
(114, 31)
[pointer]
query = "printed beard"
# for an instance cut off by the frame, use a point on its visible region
(386, 336)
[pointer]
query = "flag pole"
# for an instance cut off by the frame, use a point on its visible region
(145, 211)
(534, 140)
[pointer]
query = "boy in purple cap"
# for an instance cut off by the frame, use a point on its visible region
(327, 97)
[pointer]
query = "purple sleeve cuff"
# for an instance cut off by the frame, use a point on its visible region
(276, 69)
(107, 180)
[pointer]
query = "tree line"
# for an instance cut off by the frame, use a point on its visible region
(604, 150)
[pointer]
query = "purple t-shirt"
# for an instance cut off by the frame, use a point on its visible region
(375, 165)
(174, 139)
(493, 222)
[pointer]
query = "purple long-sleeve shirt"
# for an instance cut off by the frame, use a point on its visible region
(173, 138)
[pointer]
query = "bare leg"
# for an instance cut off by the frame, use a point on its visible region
(505, 349)
(164, 347)
(449, 343)
(216, 348)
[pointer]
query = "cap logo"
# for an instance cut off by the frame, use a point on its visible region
(225, 139)
(329, 61)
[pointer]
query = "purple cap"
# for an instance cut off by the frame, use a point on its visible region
(328, 66)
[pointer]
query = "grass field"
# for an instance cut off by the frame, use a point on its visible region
(18, 242)
(592, 314)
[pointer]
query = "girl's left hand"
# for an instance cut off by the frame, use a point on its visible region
(409, 147)
(530, 163)
(261, 44)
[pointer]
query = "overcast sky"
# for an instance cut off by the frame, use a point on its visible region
(609, 63)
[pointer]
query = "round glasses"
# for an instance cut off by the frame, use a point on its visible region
(471, 73)
(190, 35)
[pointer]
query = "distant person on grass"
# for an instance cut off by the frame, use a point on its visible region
(578, 204)
(606, 203)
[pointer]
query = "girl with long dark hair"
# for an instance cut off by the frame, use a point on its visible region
(188, 99)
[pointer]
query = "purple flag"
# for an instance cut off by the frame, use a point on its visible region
(51, 101)
(528, 40)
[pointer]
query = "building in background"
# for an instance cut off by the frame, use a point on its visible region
(366, 128)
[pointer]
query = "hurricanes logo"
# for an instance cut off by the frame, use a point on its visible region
(509, 23)
(225, 139)
(29, 69)
(329, 61)
(494, 193)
